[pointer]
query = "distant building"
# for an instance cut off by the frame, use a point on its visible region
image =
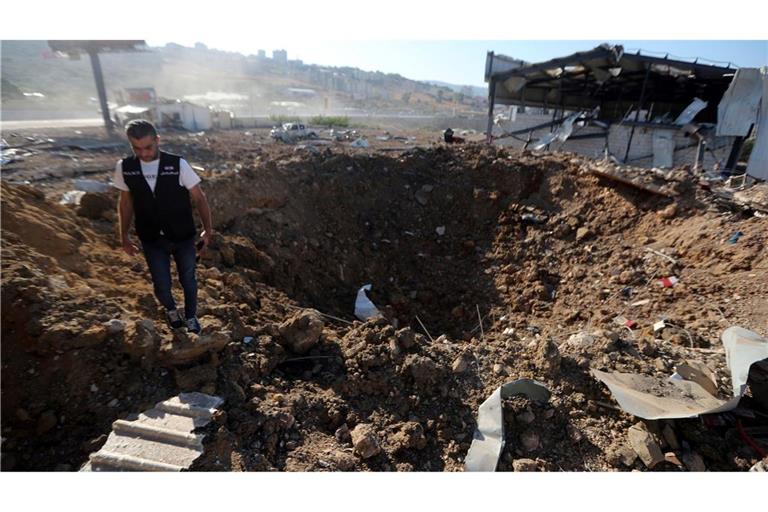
(261, 54)
(200, 46)
(140, 95)
(280, 56)
(300, 93)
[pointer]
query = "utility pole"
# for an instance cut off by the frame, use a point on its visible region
(101, 89)
(75, 48)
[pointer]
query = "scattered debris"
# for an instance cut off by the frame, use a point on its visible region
(668, 282)
(160, 439)
(488, 439)
(364, 308)
(360, 143)
(645, 445)
(651, 399)
(365, 441)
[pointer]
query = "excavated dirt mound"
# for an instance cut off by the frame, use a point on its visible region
(488, 265)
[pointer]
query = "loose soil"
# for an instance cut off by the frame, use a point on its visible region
(484, 261)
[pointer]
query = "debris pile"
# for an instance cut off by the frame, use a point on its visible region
(486, 265)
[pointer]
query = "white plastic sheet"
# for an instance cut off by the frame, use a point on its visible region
(364, 308)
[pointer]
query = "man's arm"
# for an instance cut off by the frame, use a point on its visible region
(125, 214)
(198, 197)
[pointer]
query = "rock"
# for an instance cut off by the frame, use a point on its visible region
(94, 204)
(115, 327)
(460, 364)
(669, 436)
(365, 441)
(671, 457)
(644, 445)
(406, 337)
(440, 230)
(526, 417)
(421, 198)
(410, 436)
(611, 336)
(143, 341)
(185, 350)
(582, 233)
(623, 455)
(498, 369)
(343, 461)
(547, 357)
(94, 445)
(247, 255)
(525, 465)
(91, 337)
(46, 422)
(693, 461)
(580, 341)
(530, 441)
(574, 434)
(227, 255)
(302, 331)
(343, 435)
(668, 212)
(424, 371)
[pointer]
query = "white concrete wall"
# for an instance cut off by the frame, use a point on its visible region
(193, 117)
(641, 151)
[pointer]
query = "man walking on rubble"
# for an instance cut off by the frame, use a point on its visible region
(159, 188)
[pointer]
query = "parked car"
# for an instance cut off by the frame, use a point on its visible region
(291, 132)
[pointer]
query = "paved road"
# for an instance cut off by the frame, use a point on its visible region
(51, 123)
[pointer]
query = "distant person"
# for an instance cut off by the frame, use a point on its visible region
(450, 138)
(159, 188)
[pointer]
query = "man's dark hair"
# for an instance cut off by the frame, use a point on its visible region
(140, 128)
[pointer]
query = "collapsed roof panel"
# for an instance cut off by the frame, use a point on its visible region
(608, 78)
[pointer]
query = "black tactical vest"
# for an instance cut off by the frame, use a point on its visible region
(167, 212)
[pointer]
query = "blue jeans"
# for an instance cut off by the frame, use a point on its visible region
(158, 255)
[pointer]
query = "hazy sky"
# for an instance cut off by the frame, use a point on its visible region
(462, 62)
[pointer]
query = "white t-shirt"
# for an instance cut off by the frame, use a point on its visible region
(187, 177)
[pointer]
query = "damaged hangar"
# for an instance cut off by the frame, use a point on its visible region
(634, 108)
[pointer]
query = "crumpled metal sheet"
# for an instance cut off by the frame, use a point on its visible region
(740, 105)
(561, 134)
(687, 115)
(651, 398)
(488, 439)
(758, 160)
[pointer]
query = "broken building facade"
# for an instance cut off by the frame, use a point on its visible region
(638, 109)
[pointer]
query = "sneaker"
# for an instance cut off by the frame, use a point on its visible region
(193, 325)
(174, 318)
